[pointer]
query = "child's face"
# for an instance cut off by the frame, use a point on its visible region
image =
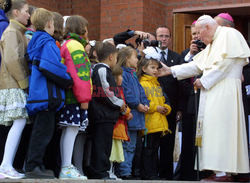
(119, 80)
(151, 69)
(132, 60)
(50, 27)
(23, 15)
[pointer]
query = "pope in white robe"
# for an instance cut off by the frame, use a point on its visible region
(221, 130)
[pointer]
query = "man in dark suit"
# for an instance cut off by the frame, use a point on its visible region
(185, 169)
(172, 89)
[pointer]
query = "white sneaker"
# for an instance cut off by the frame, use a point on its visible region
(113, 176)
(71, 172)
(10, 173)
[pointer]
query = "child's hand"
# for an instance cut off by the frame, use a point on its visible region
(130, 116)
(123, 108)
(162, 110)
(142, 108)
(84, 106)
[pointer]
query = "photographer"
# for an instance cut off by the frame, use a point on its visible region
(122, 37)
(172, 89)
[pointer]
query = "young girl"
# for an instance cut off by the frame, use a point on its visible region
(13, 82)
(136, 99)
(155, 119)
(120, 132)
(104, 110)
(73, 116)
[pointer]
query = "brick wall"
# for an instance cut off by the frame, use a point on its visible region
(107, 17)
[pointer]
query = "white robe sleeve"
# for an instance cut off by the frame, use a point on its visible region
(186, 70)
(217, 72)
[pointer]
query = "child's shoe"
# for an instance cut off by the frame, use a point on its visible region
(71, 172)
(10, 173)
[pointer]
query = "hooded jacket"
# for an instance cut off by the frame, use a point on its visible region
(14, 68)
(134, 95)
(155, 121)
(48, 75)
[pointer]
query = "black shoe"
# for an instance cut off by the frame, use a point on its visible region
(38, 173)
(108, 178)
(128, 177)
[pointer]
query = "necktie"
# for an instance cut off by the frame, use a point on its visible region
(163, 56)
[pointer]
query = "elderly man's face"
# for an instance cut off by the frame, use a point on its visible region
(163, 35)
(204, 33)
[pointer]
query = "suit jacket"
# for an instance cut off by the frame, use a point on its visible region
(170, 85)
(188, 90)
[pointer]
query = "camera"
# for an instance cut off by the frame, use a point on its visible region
(200, 44)
(147, 43)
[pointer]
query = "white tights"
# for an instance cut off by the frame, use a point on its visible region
(12, 142)
(67, 144)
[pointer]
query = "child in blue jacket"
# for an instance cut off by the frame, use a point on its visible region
(136, 99)
(46, 95)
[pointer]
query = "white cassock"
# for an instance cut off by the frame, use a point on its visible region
(221, 115)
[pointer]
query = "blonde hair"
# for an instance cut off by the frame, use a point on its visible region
(40, 18)
(76, 24)
(15, 5)
(124, 54)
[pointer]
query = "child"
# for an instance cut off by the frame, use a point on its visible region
(120, 132)
(104, 110)
(73, 116)
(155, 119)
(46, 95)
(13, 83)
(30, 28)
(58, 25)
(136, 99)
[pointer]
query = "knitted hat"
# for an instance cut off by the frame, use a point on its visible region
(226, 16)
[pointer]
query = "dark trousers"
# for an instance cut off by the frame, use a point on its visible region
(167, 150)
(42, 132)
(101, 149)
(137, 161)
(185, 169)
(150, 155)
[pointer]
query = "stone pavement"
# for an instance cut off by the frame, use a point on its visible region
(88, 181)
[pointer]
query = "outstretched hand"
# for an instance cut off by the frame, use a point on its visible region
(164, 70)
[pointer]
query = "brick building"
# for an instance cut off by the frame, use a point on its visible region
(107, 17)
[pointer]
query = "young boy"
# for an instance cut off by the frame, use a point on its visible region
(104, 110)
(46, 95)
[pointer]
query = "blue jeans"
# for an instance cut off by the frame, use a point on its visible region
(125, 168)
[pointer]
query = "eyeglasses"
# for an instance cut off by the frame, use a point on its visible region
(164, 36)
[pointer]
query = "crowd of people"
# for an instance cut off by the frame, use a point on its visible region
(74, 108)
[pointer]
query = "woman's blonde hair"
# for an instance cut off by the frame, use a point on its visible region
(124, 54)
(40, 18)
(76, 24)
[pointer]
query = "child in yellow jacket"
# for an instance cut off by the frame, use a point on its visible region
(155, 119)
